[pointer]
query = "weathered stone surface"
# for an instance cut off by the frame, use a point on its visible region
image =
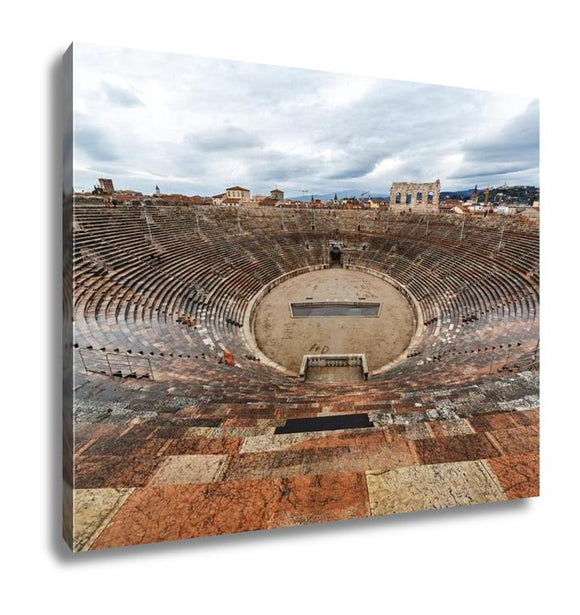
(175, 512)
(93, 509)
(456, 427)
(320, 498)
(455, 448)
(491, 422)
(338, 456)
(126, 446)
(204, 446)
(519, 475)
(113, 471)
(517, 441)
(432, 486)
(278, 442)
(526, 417)
(313, 439)
(400, 190)
(418, 431)
(186, 469)
(185, 511)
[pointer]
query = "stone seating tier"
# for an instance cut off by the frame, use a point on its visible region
(140, 271)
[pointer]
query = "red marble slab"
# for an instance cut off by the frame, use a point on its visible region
(527, 417)
(136, 447)
(142, 430)
(437, 430)
(251, 413)
(97, 471)
(176, 512)
(518, 475)
(518, 441)
(393, 431)
(492, 421)
(320, 498)
(246, 422)
(467, 447)
(170, 430)
(285, 463)
(204, 446)
(88, 431)
(320, 460)
(369, 439)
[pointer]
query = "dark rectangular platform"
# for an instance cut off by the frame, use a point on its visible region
(325, 423)
(335, 308)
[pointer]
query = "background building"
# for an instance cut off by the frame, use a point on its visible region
(412, 196)
(237, 192)
(106, 185)
(277, 195)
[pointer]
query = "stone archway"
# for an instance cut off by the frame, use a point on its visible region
(335, 254)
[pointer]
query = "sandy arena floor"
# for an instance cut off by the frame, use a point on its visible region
(285, 339)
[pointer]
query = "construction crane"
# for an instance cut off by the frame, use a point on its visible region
(367, 194)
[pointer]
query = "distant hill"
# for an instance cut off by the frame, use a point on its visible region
(522, 194)
(456, 194)
(502, 194)
(342, 194)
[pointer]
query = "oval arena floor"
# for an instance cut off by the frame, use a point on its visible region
(285, 338)
(174, 440)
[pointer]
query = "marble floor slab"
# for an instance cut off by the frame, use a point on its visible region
(93, 509)
(187, 469)
(432, 486)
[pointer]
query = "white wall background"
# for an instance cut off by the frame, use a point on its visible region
(517, 556)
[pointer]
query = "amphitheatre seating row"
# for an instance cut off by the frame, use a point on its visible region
(176, 281)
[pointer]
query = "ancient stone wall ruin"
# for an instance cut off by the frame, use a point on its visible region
(423, 197)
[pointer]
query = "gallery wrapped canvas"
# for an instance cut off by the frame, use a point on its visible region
(291, 297)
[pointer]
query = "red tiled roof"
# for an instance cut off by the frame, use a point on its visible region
(268, 201)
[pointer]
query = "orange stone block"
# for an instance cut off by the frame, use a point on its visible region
(114, 471)
(518, 441)
(518, 475)
(176, 512)
(455, 448)
(204, 446)
(320, 498)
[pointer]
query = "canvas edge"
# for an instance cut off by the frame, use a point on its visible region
(67, 245)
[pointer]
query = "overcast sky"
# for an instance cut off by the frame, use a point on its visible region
(198, 125)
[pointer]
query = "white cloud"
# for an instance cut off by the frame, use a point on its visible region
(196, 124)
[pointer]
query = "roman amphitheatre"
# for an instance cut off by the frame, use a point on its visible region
(243, 369)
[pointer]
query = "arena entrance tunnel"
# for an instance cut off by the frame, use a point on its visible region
(335, 254)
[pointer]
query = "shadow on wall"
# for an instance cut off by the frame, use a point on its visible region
(53, 260)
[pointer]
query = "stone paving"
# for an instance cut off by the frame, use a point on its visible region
(143, 476)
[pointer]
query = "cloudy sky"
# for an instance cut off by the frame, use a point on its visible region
(197, 125)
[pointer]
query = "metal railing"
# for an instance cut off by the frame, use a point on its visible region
(116, 364)
(333, 360)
